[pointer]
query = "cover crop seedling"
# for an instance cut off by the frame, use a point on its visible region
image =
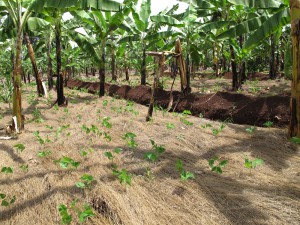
(7, 170)
(130, 139)
(153, 156)
(19, 147)
(184, 175)
(5, 201)
(219, 164)
(65, 161)
(252, 164)
(86, 181)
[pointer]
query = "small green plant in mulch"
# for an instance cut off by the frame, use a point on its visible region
(184, 175)
(216, 164)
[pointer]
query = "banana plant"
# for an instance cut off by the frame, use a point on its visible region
(265, 18)
(294, 127)
(99, 26)
(144, 32)
(19, 17)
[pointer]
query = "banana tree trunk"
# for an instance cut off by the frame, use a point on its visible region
(294, 127)
(113, 65)
(243, 64)
(126, 67)
(60, 80)
(235, 84)
(102, 74)
(50, 71)
(188, 74)
(143, 74)
(39, 85)
(17, 98)
(272, 72)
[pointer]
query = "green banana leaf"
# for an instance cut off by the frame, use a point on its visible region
(259, 4)
(215, 25)
(243, 28)
(275, 22)
(166, 20)
(35, 23)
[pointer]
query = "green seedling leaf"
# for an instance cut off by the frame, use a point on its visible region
(65, 216)
(105, 102)
(87, 213)
(2, 196)
(179, 165)
(223, 163)
(118, 150)
(295, 140)
(66, 161)
(124, 177)
(109, 155)
(44, 153)
(215, 131)
(87, 178)
(268, 124)
(7, 170)
(49, 127)
(257, 162)
(4, 203)
(80, 185)
(248, 164)
(187, 112)
(151, 156)
(170, 125)
(185, 175)
(250, 130)
(106, 123)
(12, 201)
(19, 147)
(129, 135)
(24, 168)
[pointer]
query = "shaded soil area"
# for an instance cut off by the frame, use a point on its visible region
(240, 108)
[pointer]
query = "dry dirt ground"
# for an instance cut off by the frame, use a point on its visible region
(268, 194)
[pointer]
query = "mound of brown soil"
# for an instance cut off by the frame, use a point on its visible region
(240, 108)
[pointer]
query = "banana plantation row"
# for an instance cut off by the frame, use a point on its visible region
(229, 35)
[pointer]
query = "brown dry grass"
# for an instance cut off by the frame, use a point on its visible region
(270, 194)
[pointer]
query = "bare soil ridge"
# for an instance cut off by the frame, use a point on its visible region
(241, 109)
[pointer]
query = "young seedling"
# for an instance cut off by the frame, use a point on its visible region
(217, 131)
(66, 218)
(110, 155)
(170, 125)
(37, 116)
(105, 103)
(219, 164)
(86, 213)
(206, 125)
(41, 140)
(19, 147)
(44, 153)
(268, 124)
(86, 181)
(252, 164)
(106, 123)
(153, 156)
(65, 161)
(124, 176)
(7, 170)
(251, 130)
(24, 168)
(184, 175)
(183, 117)
(295, 140)
(5, 201)
(130, 139)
